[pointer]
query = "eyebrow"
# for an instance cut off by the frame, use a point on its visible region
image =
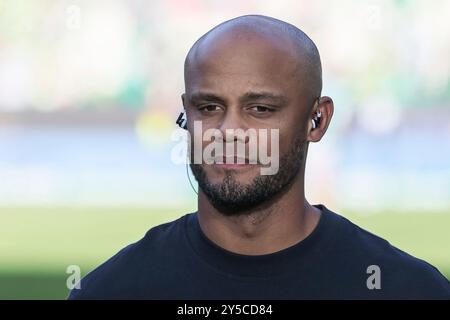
(265, 96)
(247, 97)
(205, 96)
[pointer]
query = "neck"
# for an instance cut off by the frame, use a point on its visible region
(264, 230)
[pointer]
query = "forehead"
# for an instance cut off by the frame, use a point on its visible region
(242, 60)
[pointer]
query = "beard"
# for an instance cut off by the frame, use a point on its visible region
(233, 198)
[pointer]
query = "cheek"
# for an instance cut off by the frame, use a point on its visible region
(290, 126)
(277, 143)
(293, 129)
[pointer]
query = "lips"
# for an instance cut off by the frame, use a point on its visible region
(232, 163)
(234, 160)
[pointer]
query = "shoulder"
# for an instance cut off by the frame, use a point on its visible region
(402, 274)
(120, 274)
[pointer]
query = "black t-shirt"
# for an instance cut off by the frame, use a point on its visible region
(338, 260)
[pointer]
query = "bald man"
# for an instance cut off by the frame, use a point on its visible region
(254, 235)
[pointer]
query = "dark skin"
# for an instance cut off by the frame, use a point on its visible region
(255, 80)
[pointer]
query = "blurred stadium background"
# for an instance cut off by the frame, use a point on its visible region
(89, 91)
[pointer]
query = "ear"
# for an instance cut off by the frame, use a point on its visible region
(183, 100)
(326, 108)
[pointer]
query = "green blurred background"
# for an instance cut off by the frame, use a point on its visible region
(89, 91)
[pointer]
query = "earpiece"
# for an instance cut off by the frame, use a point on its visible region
(316, 120)
(182, 121)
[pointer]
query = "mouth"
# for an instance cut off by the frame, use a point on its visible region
(233, 163)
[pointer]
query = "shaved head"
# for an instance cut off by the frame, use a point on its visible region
(277, 34)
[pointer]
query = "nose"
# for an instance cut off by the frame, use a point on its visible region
(231, 121)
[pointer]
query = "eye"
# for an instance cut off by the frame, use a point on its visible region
(209, 108)
(261, 109)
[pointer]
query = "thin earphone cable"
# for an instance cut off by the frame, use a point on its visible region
(189, 178)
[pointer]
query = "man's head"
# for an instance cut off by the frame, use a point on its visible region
(254, 72)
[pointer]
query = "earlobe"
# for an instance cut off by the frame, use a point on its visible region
(182, 100)
(311, 127)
